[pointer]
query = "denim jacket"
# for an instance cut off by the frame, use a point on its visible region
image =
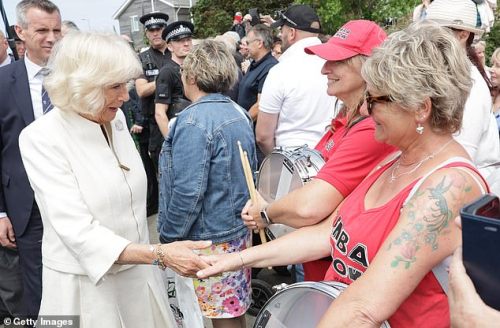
(202, 184)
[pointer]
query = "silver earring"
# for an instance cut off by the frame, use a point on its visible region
(420, 129)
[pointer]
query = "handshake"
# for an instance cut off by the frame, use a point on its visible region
(183, 258)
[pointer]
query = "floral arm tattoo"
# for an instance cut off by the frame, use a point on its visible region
(429, 214)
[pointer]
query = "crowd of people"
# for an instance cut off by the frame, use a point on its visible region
(93, 143)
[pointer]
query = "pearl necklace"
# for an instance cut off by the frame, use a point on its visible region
(396, 166)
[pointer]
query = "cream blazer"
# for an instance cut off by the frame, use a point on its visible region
(91, 195)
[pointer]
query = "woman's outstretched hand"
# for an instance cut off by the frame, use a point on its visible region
(220, 263)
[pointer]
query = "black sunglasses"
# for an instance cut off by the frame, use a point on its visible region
(288, 19)
(370, 100)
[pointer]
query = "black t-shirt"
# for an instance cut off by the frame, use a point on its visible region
(152, 61)
(169, 90)
(253, 81)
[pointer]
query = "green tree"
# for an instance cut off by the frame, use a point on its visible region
(334, 13)
(492, 39)
(212, 17)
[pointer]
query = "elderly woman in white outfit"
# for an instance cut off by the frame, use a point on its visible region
(90, 186)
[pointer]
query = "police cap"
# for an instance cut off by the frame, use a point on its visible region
(178, 30)
(154, 20)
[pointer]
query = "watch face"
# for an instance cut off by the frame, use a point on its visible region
(263, 215)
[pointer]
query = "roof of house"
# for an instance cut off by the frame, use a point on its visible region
(171, 3)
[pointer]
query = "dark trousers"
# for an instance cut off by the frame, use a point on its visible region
(152, 192)
(29, 245)
(155, 142)
(11, 286)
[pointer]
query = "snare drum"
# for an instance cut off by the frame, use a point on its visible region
(300, 305)
(284, 170)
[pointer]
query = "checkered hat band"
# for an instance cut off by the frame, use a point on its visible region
(179, 31)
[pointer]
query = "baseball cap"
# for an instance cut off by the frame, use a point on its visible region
(300, 17)
(356, 37)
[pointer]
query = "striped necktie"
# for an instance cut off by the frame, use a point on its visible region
(47, 105)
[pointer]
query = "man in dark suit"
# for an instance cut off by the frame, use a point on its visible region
(22, 100)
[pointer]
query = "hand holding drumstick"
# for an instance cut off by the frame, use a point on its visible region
(251, 187)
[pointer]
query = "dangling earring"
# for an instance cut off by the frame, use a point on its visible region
(420, 129)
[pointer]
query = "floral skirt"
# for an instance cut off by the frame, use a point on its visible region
(227, 295)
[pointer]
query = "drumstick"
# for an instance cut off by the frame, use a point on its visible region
(251, 187)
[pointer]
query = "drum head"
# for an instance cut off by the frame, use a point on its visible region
(301, 305)
(277, 177)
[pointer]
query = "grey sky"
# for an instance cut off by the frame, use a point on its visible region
(96, 14)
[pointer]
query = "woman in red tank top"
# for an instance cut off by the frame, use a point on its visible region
(396, 226)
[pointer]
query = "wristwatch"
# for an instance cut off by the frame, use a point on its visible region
(265, 217)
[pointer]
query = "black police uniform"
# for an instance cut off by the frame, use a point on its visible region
(150, 140)
(152, 61)
(169, 89)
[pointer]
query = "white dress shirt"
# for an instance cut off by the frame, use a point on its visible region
(35, 79)
(7, 61)
(295, 90)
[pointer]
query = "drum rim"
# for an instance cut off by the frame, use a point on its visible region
(318, 285)
(287, 153)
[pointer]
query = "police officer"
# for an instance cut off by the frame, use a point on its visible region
(170, 99)
(153, 59)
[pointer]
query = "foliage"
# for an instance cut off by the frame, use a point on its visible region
(334, 13)
(493, 39)
(212, 17)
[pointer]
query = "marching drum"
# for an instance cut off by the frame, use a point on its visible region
(300, 305)
(284, 170)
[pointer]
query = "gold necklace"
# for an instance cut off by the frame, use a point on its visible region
(396, 166)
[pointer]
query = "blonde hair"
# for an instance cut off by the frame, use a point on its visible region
(212, 66)
(423, 61)
(83, 64)
(495, 55)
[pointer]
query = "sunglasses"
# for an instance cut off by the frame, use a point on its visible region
(288, 19)
(371, 100)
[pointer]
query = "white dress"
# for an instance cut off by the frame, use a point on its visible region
(92, 198)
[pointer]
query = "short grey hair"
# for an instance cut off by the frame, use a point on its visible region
(264, 33)
(212, 66)
(82, 65)
(423, 61)
(25, 5)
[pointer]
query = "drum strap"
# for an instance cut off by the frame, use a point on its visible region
(441, 270)
(353, 123)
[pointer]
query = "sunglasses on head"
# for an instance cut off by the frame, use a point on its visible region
(371, 100)
(282, 15)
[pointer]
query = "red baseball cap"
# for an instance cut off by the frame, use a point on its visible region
(356, 37)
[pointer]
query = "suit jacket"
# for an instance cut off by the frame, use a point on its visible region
(16, 112)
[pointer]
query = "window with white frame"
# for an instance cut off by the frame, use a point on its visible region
(134, 23)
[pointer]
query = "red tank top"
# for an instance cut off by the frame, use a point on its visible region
(356, 237)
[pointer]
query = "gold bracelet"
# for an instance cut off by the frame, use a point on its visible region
(159, 261)
(241, 259)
